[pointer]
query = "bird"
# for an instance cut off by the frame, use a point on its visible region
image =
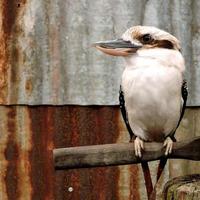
(153, 92)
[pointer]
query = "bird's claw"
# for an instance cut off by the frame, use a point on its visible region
(139, 146)
(168, 144)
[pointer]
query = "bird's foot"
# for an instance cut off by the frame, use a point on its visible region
(168, 144)
(139, 146)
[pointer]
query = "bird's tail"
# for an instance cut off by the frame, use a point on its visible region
(161, 167)
(147, 178)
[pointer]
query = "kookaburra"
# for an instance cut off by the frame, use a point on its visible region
(152, 84)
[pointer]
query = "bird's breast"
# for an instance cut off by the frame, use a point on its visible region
(152, 99)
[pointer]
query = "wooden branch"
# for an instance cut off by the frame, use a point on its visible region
(121, 154)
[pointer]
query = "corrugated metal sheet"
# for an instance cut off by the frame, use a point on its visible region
(28, 135)
(46, 54)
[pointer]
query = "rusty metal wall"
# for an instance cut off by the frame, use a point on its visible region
(45, 58)
(28, 135)
(46, 54)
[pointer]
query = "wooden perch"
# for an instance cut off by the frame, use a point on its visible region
(121, 154)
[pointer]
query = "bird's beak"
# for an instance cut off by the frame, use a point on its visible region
(117, 47)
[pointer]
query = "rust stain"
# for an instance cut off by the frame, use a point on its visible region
(29, 86)
(3, 65)
(134, 185)
(12, 156)
(3, 161)
(103, 130)
(41, 156)
(9, 11)
(9, 16)
(100, 127)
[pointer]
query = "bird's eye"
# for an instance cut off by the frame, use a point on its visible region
(146, 38)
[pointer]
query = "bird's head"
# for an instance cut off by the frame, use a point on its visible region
(138, 38)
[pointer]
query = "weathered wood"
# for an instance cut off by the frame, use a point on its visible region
(184, 188)
(121, 154)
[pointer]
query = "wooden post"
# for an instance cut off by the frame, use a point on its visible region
(183, 188)
(121, 154)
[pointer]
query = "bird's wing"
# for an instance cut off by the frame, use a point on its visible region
(184, 92)
(124, 113)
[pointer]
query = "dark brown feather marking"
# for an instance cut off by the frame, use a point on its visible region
(165, 44)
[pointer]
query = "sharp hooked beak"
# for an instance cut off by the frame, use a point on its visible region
(117, 47)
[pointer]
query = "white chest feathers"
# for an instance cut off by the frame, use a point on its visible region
(152, 83)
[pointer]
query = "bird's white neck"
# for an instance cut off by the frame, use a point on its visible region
(156, 56)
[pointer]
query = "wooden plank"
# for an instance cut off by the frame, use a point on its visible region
(121, 154)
